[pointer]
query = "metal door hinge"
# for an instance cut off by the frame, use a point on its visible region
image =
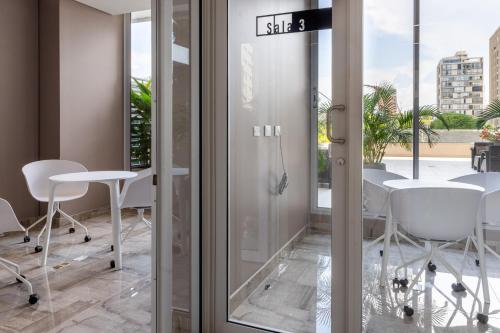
(155, 180)
(340, 141)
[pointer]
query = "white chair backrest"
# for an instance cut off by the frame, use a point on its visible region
(138, 191)
(490, 205)
(445, 214)
(8, 219)
(375, 194)
(37, 177)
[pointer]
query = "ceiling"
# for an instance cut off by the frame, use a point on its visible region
(118, 7)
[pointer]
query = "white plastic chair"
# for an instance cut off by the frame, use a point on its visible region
(137, 193)
(490, 204)
(37, 177)
(375, 200)
(9, 223)
(439, 217)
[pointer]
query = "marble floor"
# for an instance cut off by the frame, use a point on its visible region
(78, 291)
(296, 296)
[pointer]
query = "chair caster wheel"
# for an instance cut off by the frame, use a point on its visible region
(482, 318)
(403, 283)
(408, 311)
(38, 248)
(112, 248)
(477, 262)
(34, 298)
(458, 287)
(431, 267)
(27, 239)
(87, 238)
(381, 252)
(71, 230)
(112, 264)
(18, 280)
(395, 282)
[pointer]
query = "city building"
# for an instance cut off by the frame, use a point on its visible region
(495, 66)
(460, 84)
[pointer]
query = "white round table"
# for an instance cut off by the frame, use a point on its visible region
(399, 184)
(110, 178)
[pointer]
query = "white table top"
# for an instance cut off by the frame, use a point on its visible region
(92, 176)
(398, 184)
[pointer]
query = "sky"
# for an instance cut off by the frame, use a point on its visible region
(140, 45)
(447, 26)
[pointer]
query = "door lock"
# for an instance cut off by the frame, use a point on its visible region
(340, 161)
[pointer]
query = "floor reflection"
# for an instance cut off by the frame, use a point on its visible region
(296, 296)
(78, 291)
(437, 307)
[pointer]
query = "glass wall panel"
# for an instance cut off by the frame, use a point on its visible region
(429, 263)
(279, 265)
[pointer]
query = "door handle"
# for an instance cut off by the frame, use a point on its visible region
(329, 123)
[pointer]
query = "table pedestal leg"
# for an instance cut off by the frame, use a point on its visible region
(387, 244)
(116, 221)
(50, 215)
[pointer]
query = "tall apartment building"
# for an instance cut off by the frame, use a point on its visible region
(460, 84)
(495, 66)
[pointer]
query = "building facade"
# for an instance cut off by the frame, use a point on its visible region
(460, 84)
(495, 66)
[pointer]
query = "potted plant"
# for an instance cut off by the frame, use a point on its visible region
(384, 124)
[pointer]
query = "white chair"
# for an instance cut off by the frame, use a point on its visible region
(490, 205)
(9, 223)
(438, 217)
(137, 193)
(375, 200)
(37, 177)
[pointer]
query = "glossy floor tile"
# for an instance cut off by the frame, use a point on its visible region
(78, 290)
(296, 296)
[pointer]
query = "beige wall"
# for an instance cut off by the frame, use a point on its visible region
(19, 100)
(49, 79)
(62, 94)
(268, 86)
(91, 81)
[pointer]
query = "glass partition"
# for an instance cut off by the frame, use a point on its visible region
(429, 264)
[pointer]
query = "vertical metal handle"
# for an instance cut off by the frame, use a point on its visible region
(329, 124)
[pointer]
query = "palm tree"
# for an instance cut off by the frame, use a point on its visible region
(384, 123)
(140, 122)
(492, 111)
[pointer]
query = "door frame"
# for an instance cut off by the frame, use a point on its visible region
(346, 204)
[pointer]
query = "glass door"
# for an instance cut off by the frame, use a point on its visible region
(274, 268)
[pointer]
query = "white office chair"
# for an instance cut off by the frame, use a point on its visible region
(438, 217)
(375, 200)
(137, 193)
(8, 223)
(37, 177)
(490, 205)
